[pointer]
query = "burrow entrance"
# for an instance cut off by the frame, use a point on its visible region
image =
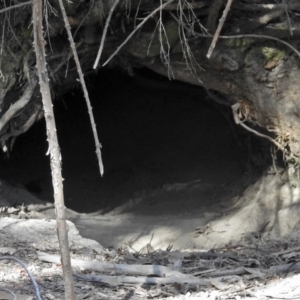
(151, 137)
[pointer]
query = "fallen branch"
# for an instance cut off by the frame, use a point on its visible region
(208, 255)
(161, 271)
(117, 269)
(229, 272)
(289, 250)
(154, 274)
(119, 280)
(285, 268)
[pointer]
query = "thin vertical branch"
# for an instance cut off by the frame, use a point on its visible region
(54, 150)
(82, 82)
(105, 33)
(218, 31)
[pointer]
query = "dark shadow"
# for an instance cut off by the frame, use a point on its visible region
(152, 136)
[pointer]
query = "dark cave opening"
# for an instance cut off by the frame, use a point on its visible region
(150, 137)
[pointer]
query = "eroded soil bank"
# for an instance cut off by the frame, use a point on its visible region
(176, 170)
(151, 138)
(177, 177)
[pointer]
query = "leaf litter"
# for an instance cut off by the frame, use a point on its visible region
(268, 269)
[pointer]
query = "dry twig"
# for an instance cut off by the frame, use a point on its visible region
(105, 33)
(135, 30)
(117, 269)
(54, 150)
(119, 280)
(15, 6)
(217, 33)
(85, 92)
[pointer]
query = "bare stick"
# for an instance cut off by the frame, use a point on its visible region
(54, 150)
(135, 30)
(15, 6)
(120, 280)
(220, 26)
(104, 33)
(85, 92)
(117, 269)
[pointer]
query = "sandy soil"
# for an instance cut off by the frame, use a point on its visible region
(249, 257)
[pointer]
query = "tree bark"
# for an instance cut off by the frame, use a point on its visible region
(54, 150)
